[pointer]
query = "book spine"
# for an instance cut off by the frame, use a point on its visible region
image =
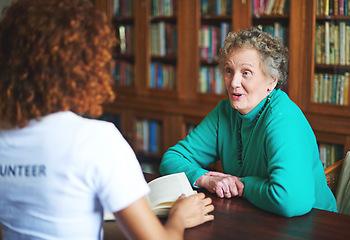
(341, 97)
(318, 44)
(347, 45)
(204, 42)
(275, 7)
(152, 137)
(334, 89)
(269, 7)
(327, 42)
(346, 88)
(316, 88)
(335, 7)
(145, 130)
(326, 7)
(342, 46)
(336, 44)
(341, 7)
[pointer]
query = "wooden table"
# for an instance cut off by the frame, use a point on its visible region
(236, 218)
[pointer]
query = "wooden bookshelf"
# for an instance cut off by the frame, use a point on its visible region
(184, 104)
(329, 121)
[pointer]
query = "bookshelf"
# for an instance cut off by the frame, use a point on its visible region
(326, 91)
(184, 104)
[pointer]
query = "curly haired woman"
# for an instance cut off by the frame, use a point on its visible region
(266, 146)
(59, 171)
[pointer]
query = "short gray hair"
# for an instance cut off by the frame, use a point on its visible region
(274, 56)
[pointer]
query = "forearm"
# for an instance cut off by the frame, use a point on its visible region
(279, 198)
(174, 227)
(174, 162)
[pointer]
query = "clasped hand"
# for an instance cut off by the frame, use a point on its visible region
(224, 185)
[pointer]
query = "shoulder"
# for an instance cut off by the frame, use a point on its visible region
(282, 106)
(284, 114)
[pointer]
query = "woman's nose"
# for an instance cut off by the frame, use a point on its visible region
(236, 81)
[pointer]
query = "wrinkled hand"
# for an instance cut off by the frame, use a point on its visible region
(193, 210)
(224, 185)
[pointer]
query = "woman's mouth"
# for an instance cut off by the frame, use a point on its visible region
(236, 95)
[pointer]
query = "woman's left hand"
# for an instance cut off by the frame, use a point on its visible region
(224, 185)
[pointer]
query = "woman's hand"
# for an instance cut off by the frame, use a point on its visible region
(224, 185)
(138, 221)
(192, 210)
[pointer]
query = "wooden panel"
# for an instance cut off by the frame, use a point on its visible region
(141, 45)
(241, 14)
(188, 50)
(297, 58)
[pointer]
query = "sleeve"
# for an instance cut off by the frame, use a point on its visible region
(117, 175)
(195, 152)
(290, 149)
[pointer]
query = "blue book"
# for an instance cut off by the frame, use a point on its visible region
(152, 137)
(160, 76)
(152, 76)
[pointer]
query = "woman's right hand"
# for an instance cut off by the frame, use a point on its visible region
(224, 185)
(192, 210)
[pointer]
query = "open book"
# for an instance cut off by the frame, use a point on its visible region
(164, 192)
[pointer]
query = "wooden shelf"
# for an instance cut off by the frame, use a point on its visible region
(185, 105)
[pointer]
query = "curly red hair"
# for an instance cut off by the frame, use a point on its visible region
(53, 57)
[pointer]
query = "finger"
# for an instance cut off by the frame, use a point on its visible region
(227, 193)
(233, 190)
(209, 208)
(240, 187)
(215, 174)
(207, 201)
(201, 195)
(219, 192)
(182, 196)
(207, 218)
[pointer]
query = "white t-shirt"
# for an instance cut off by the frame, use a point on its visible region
(60, 174)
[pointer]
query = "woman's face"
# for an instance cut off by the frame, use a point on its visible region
(246, 83)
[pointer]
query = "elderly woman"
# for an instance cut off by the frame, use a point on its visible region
(59, 171)
(266, 146)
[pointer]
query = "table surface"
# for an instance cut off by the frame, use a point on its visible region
(236, 218)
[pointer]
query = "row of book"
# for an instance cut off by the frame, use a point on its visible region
(163, 76)
(163, 8)
(148, 136)
(277, 30)
(332, 44)
(211, 40)
(330, 153)
(123, 8)
(216, 8)
(331, 88)
(211, 80)
(332, 7)
(163, 39)
(270, 7)
(126, 36)
(122, 73)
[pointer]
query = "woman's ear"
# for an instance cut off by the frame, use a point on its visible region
(272, 84)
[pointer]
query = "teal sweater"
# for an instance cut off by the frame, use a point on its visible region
(282, 172)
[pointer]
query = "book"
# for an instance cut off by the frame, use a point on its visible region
(166, 190)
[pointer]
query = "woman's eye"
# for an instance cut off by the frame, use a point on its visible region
(246, 73)
(227, 70)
